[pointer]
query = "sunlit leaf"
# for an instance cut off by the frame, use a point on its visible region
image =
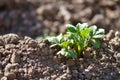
(93, 30)
(53, 39)
(59, 37)
(85, 32)
(81, 26)
(72, 53)
(66, 43)
(95, 43)
(71, 28)
(100, 31)
(62, 51)
(98, 36)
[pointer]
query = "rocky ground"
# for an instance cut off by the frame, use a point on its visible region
(23, 58)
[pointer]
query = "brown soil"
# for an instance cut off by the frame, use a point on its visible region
(23, 58)
(27, 59)
(38, 17)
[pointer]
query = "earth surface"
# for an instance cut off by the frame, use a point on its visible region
(24, 58)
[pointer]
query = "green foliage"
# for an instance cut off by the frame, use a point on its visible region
(76, 39)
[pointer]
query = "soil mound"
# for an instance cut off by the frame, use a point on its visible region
(27, 59)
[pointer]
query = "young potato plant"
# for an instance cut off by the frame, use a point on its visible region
(76, 39)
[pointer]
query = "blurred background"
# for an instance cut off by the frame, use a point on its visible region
(38, 17)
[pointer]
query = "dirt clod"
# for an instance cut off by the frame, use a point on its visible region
(11, 38)
(26, 59)
(29, 59)
(10, 76)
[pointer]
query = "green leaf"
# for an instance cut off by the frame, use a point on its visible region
(100, 31)
(53, 39)
(61, 51)
(53, 45)
(59, 37)
(93, 30)
(72, 53)
(69, 53)
(66, 43)
(81, 26)
(78, 27)
(84, 25)
(79, 42)
(95, 43)
(98, 36)
(79, 48)
(64, 52)
(68, 36)
(71, 28)
(85, 32)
